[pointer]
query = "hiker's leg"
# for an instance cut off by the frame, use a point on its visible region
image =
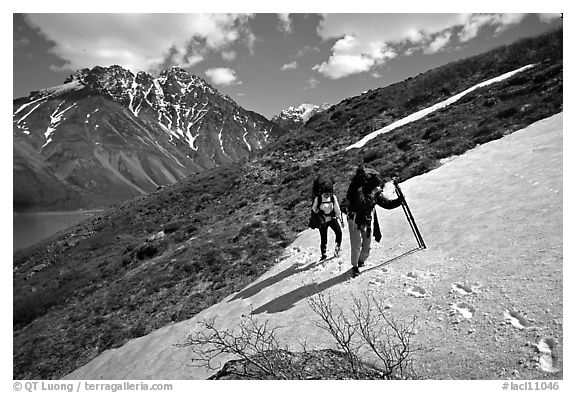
(337, 231)
(323, 238)
(365, 249)
(355, 242)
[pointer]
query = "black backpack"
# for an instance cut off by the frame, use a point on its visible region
(362, 205)
(322, 182)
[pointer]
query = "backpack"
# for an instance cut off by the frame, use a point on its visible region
(362, 205)
(317, 219)
(322, 182)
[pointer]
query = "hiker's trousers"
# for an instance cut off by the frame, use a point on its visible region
(360, 242)
(324, 234)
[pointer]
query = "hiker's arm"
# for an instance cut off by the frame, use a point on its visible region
(386, 203)
(338, 212)
(315, 205)
(337, 207)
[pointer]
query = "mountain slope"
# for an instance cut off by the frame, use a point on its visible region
(107, 135)
(165, 257)
(492, 231)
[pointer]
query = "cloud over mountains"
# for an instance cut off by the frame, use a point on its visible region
(151, 42)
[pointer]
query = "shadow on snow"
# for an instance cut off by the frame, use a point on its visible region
(288, 300)
(254, 289)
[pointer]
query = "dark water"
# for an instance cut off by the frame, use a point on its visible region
(30, 228)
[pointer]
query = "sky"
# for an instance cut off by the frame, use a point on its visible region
(265, 61)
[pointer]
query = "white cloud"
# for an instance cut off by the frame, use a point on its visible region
(285, 23)
(290, 66)
(140, 41)
(351, 56)
(305, 50)
(439, 43)
(366, 41)
(500, 21)
(339, 66)
(389, 28)
(222, 76)
(228, 55)
(312, 82)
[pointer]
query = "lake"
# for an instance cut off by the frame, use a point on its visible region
(31, 228)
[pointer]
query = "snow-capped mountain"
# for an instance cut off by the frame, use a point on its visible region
(107, 135)
(295, 117)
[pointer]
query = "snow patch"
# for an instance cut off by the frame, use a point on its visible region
(73, 85)
(420, 114)
(245, 141)
(32, 102)
(221, 142)
(55, 120)
(27, 114)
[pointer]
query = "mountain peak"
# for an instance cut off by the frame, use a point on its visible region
(300, 114)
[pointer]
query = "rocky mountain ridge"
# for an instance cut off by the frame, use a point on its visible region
(296, 117)
(107, 135)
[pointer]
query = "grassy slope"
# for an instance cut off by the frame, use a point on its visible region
(163, 258)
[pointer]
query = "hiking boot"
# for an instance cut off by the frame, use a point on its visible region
(355, 271)
(360, 263)
(337, 252)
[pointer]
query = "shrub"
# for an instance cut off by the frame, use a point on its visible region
(510, 111)
(486, 134)
(368, 326)
(275, 230)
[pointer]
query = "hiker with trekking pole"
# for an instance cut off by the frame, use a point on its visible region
(364, 193)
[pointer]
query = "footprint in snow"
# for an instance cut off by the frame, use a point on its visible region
(410, 275)
(517, 320)
(548, 355)
(379, 281)
(462, 289)
(465, 309)
(416, 291)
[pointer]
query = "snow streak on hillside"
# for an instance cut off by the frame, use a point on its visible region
(420, 114)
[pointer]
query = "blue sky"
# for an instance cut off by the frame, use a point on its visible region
(266, 62)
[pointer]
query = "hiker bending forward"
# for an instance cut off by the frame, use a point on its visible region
(363, 194)
(326, 204)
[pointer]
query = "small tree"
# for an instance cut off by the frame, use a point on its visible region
(254, 343)
(367, 328)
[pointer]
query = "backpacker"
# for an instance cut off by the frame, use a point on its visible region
(322, 183)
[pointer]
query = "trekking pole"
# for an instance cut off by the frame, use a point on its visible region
(412, 223)
(409, 215)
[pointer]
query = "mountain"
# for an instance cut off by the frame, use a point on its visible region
(107, 135)
(294, 118)
(157, 260)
